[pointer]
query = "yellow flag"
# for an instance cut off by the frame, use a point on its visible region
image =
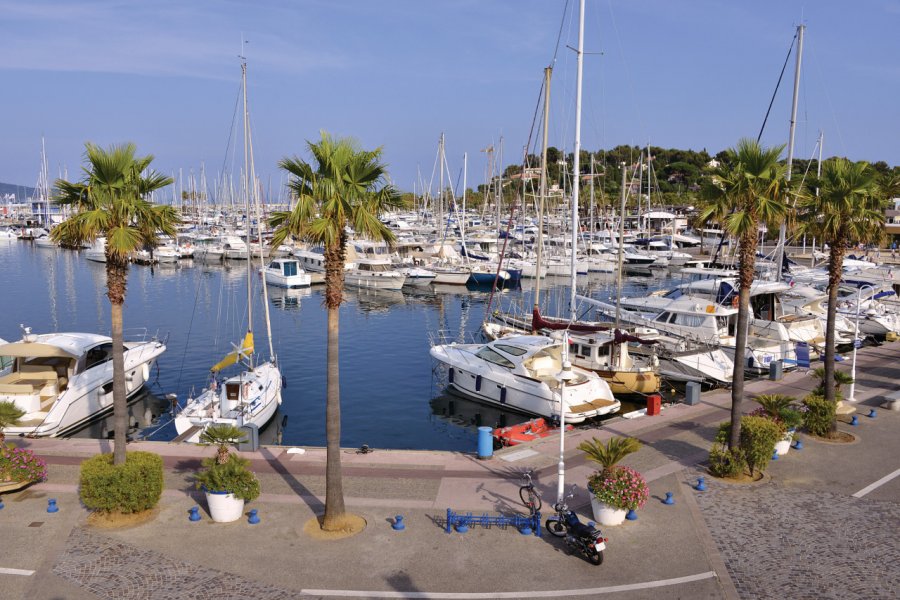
(244, 351)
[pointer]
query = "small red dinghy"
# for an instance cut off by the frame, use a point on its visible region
(526, 432)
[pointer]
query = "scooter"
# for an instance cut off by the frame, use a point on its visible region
(585, 539)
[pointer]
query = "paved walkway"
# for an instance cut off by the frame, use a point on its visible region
(800, 534)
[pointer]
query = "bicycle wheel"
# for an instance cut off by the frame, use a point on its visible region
(530, 498)
(555, 527)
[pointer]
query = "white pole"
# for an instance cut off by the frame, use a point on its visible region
(576, 168)
(859, 290)
(564, 376)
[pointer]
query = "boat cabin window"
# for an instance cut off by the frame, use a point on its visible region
(675, 293)
(513, 350)
(489, 355)
(690, 320)
(583, 350)
(98, 355)
(290, 268)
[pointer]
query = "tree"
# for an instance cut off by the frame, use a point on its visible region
(847, 210)
(749, 186)
(111, 202)
(342, 186)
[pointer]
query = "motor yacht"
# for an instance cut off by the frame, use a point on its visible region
(522, 373)
(286, 272)
(63, 381)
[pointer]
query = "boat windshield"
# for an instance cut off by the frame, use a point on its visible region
(675, 293)
(489, 355)
(374, 267)
(513, 350)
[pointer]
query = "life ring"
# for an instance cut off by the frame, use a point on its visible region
(735, 301)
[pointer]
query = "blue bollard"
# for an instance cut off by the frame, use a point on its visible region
(854, 421)
(631, 516)
(872, 414)
(591, 524)
(398, 524)
(195, 513)
(1, 503)
(525, 530)
(51, 506)
(775, 455)
(798, 445)
(254, 517)
(669, 499)
(701, 485)
(462, 527)
(485, 443)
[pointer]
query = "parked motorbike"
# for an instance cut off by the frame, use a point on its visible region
(579, 536)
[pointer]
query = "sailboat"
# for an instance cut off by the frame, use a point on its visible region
(251, 397)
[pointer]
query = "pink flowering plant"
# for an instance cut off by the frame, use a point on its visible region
(21, 465)
(620, 487)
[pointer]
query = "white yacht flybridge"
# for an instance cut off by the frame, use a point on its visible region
(64, 381)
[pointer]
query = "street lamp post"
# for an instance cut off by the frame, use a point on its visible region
(856, 342)
(564, 376)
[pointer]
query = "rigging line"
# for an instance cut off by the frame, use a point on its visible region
(830, 103)
(777, 85)
(230, 134)
(190, 326)
(559, 34)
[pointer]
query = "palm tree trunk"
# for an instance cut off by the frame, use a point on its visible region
(746, 264)
(334, 487)
(116, 274)
(835, 268)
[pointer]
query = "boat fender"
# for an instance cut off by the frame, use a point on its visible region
(145, 371)
(283, 382)
(735, 301)
(478, 383)
(503, 395)
(450, 375)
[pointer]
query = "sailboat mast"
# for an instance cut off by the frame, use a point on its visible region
(782, 231)
(621, 247)
(548, 72)
(576, 166)
(247, 184)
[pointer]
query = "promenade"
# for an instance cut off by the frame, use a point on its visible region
(821, 525)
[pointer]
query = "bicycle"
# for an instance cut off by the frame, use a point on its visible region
(528, 494)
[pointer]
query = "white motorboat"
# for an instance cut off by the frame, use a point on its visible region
(416, 275)
(167, 253)
(8, 235)
(374, 273)
(522, 373)
(63, 381)
(45, 241)
(96, 252)
(286, 272)
(235, 248)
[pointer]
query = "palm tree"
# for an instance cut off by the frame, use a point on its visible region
(110, 201)
(342, 186)
(749, 186)
(609, 454)
(846, 210)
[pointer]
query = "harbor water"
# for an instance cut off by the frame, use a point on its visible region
(391, 390)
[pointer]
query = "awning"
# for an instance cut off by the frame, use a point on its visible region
(34, 350)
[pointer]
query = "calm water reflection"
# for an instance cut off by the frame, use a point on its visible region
(390, 396)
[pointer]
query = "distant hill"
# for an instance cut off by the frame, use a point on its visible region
(15, 193)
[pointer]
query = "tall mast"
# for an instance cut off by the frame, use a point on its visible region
(247, 183)
(782, 231)
(548, 72)
(621, 246)
(576, 167)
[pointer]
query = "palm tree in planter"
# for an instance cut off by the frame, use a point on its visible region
(343, 186)
(111, 202)
(614, 489)
(18, 466)
(846, 210)
(226, 479)
(749, 186)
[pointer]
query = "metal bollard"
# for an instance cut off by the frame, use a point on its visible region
(51, 506)
(195, 513)
(398, 524)
(485, 443)
(254, 517)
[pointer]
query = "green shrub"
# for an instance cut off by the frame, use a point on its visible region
(132, 487)
(819, 414)
(232, 476)
(722, 461)
(758, 438)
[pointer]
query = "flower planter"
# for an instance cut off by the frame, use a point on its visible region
(782, 447)
(13, 486)
(607, 515)
(224, 507)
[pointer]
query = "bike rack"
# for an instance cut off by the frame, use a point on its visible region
(464, 521)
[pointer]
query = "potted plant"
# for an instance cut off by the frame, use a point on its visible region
(226, 479)
(781, 409)
(18, 466)
(614, 489)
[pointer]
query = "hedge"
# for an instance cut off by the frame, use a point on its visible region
(129, 488)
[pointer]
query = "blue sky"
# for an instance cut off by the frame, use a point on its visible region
(396, 73)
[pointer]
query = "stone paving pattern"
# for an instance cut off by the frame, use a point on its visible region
(112, 569)
(781, 542)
